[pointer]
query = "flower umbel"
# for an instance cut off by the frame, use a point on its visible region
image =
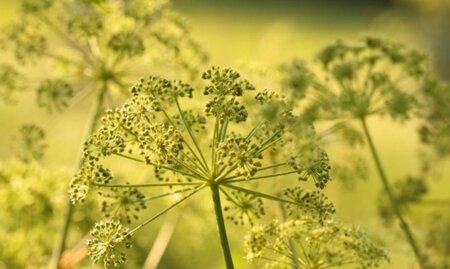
(318, 245)
(215, 142)
(108, 237)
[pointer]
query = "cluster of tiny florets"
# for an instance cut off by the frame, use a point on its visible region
(160, 144)
(104, 142)
(296, 78)
(242, 153)
(374, 76)
(435, 127)
(93, 42)
(11, 82)
(196, 121)
(226, 87)
(329, 244)
(243, 207)
(90, 173)
(30, 144)
(107, 238)
(315, 165)
(122, 203)
(313, 202)
(127, 42)
(54, 95)
(154, 129)
(406, 192)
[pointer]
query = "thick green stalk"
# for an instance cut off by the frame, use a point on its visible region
(388, 189)
(221, 226)
(61, 243)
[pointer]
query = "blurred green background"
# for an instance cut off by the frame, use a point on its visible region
(266, 33)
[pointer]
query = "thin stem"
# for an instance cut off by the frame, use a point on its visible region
(67, 39)
(268, 145)
(150, 198)
(223, 131)
(272, 166)
(388, 189)
(273, 260)
(260, 177)
(149, 185)
(195, 174)
(290, 242)
(221, 176)
(161, 166)
(199, 173)
(191, 134)
(267, 141)
(194, 162)
(254, 130)
(221, 226)
(229, 197)
(262, 195)
(129, 157)
(167, 209)
(213, 148)
(61, 243)
(202, 166)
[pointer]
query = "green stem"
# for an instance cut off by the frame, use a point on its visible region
(61, 243)
(162, 212)
(66, 39)
(202, 167)
(262, 195)
(388, 189)
(221, 226)
(160, 166)
(150, 198)
(148, 185)
(260, 177)
(213, 148)
(191, 134)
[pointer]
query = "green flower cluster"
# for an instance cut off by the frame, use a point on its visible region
(235, 148)
(11, 82)
(107, 238)
(407, 192)
(30, 143)
(243, 207)
(438, 240)
(314, 203)
(435, 127)
(374, 76)
(122, 203)
(90, 44)
(306, 243)
(24, 198)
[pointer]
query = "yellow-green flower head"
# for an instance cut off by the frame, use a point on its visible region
(11, 83)
(108, 237)
(122, 203)
(243, 207)
(30, 144)
(435, 129)
(329, 245)
(373, 76)
(89, 174)
(95, 45)
(193, 138)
